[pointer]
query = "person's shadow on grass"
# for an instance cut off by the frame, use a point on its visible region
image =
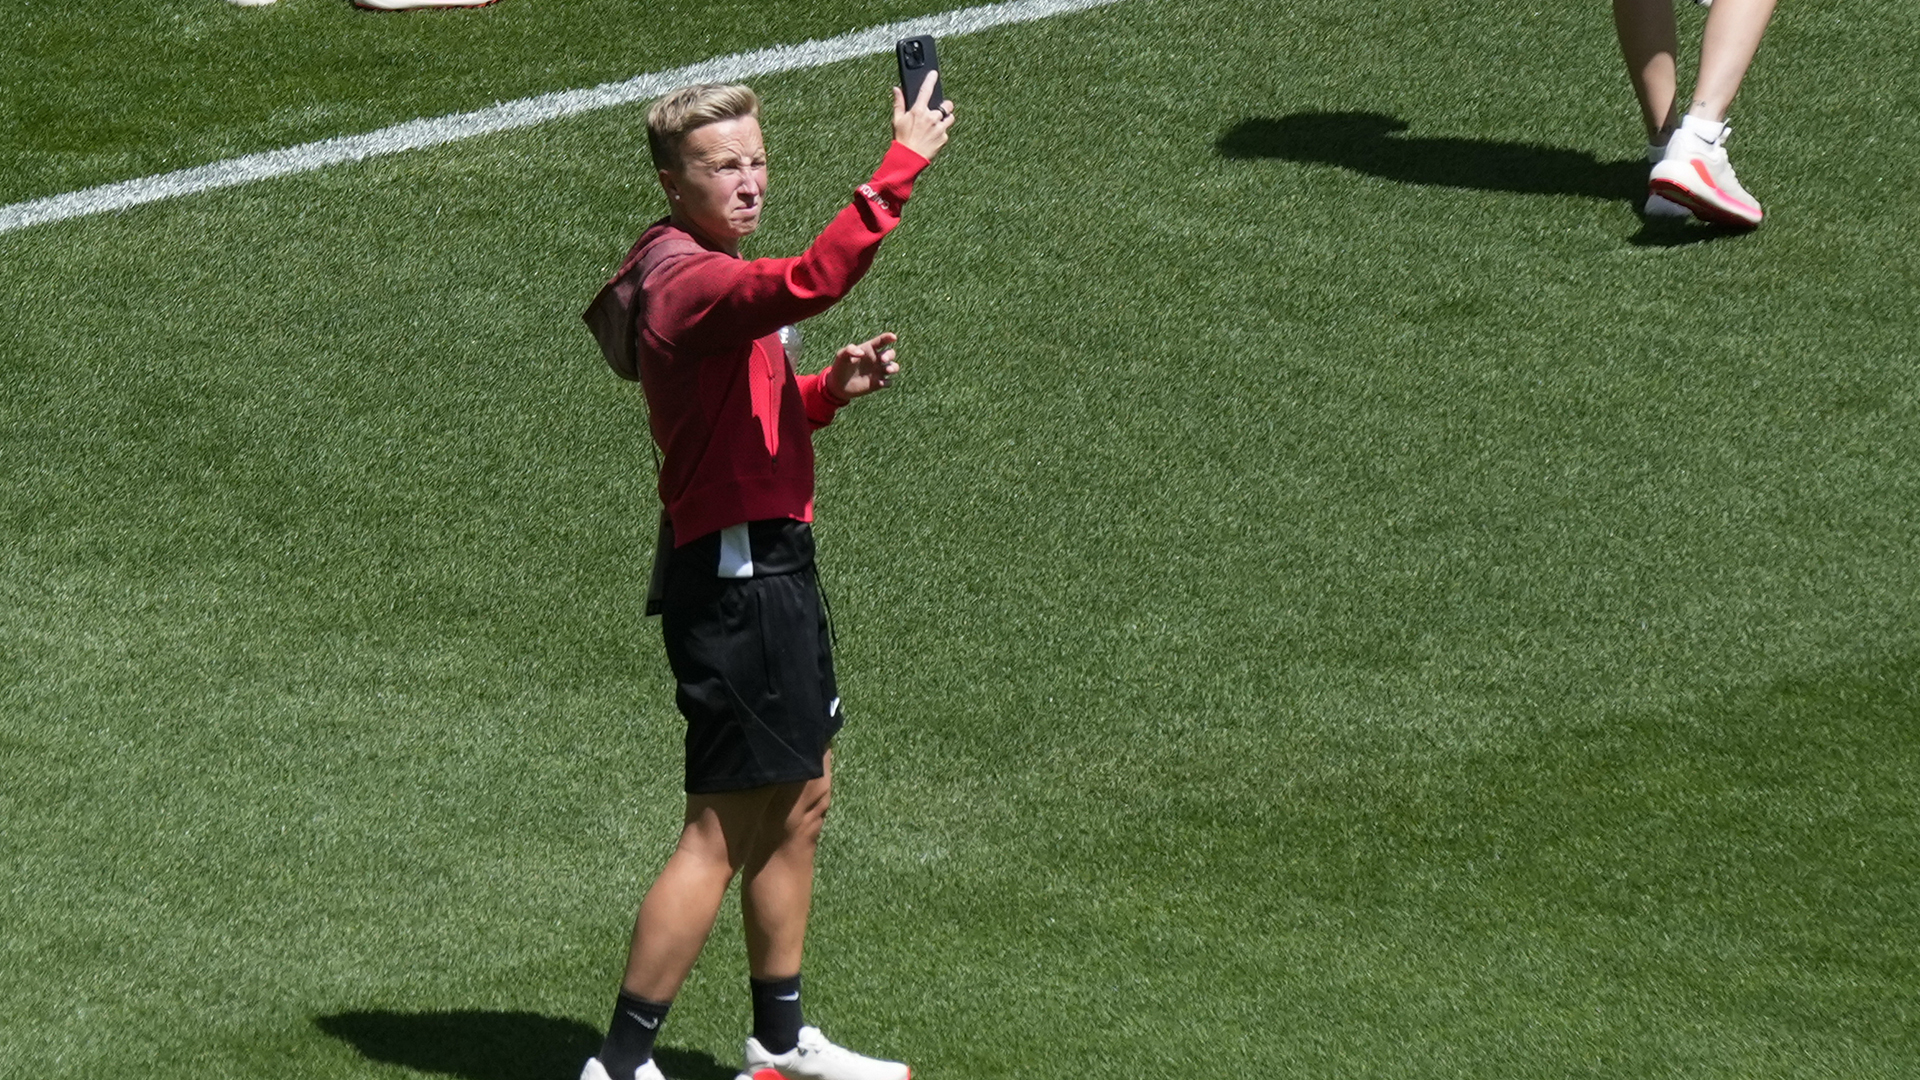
(1372, 143)
(480, 1045)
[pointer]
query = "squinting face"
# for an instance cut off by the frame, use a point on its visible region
(722, 181)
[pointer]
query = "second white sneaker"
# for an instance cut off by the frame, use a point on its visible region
(1696, 174)
(817, 1059)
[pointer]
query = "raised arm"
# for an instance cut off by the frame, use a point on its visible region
(715, 301)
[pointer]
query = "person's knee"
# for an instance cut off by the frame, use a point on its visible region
(704, 851)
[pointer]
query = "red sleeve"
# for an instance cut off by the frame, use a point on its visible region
(819, 401)
(712, 302)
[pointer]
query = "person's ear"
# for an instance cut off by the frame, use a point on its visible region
(670, 184)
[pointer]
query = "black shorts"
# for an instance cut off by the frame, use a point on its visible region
(753, 661)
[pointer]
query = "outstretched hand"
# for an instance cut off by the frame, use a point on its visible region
(859, 370)
(923, 128)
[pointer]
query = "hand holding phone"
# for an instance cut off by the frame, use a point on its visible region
(921, 112)
(919, 61)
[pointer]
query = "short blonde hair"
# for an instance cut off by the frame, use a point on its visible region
(671, 118)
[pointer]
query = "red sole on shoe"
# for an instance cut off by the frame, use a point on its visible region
(1701, 208)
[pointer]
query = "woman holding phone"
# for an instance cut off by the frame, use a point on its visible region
(1691, 173)
(745, 634)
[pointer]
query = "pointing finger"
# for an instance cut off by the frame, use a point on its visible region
(924, 99)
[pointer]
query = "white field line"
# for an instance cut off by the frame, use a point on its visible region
(418, 134)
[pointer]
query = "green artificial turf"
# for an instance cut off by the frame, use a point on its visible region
(1332, 596)
(123, 88)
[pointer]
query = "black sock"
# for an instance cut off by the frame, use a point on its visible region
(630, 1037)
(776, 1013)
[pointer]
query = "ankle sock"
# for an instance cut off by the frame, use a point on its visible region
(1707, 130)
(629, 1042)
(776, 1013)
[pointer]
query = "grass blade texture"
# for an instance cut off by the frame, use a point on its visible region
(1332, 594)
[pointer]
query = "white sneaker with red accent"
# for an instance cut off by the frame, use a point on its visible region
(1695, 173)
(817, 1059)
(593, 1070)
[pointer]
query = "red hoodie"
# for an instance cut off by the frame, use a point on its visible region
(732, 419)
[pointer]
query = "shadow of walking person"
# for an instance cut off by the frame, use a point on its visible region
(475, 1044)
(1372, 143)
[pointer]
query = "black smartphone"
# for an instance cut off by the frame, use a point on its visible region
(917, 60)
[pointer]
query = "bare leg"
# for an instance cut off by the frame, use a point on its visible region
(1732, 37)
(1649, 39)
(776, 886)
(719, 836)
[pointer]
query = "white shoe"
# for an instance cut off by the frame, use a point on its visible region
(1696, 174)
(1659, 206)
(249, 3)
(593, 1070)
(816, 1059)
